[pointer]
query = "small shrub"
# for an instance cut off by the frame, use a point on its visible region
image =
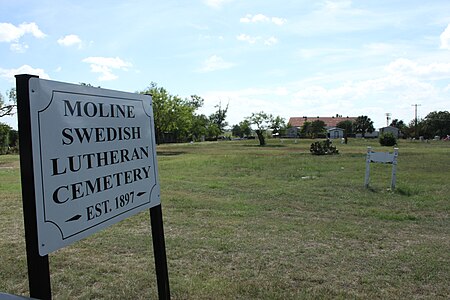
(388, 139)
(323, 148)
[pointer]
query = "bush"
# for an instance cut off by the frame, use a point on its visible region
(323, 148)
(388, 139)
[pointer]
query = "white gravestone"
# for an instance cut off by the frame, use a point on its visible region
(381, 157)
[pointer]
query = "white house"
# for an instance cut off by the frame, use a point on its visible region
(335, 133)
(394, 130)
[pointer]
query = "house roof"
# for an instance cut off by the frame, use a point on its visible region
(390, 127)
(329, 121)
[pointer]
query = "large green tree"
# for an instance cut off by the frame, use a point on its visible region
(174, 117)
(437, 123)
(199, 127)
(347, 125)
(415, 129)
(278, 125)
(14, 139)
(318, 127)
(400, 125)
(212, 131)
(218, 118)
(262, 122)
(4, 138)
(236, 130)
(313, 129)
(242, 129)
(363, 125)
(306, 129)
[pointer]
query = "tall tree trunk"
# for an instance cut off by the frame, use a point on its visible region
(262, 141)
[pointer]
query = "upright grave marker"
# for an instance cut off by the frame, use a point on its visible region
(381, 157)
(88, 160)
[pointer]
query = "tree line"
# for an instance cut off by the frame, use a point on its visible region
(435, 124)
(9, 139)
(177, 120)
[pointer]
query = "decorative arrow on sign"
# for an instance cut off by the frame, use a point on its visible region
(141, 193)
(74, 218)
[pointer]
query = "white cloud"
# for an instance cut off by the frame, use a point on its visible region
(388, 91)
(70, 40)
(211, 37)
(8, 74)
(246, 38)
(18, 47)
(105, 65)
(278, 21)
(112, 62)
(257, 18)
(406, 67)
(214, 63)
(254, 39)
(271, 41)
(445, 38)
(262, 18)
(243, 102)
(403, 82)
(329, 53)
(11, 33)
(332, 17)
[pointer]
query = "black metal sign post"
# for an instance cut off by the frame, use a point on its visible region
(37, 253)
(38, 266)
(159, 250)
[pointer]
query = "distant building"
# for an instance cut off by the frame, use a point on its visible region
(394, 130)
(330, 125)
(335, 133)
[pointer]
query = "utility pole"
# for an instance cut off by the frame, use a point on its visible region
(415, 119)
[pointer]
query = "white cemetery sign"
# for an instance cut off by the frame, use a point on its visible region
(94, 159)
(381, 157)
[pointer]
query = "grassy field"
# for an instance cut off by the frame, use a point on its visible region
(245, 222)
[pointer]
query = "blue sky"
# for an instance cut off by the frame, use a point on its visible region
(287, 58)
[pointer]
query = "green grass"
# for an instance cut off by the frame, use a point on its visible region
(275, 222)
